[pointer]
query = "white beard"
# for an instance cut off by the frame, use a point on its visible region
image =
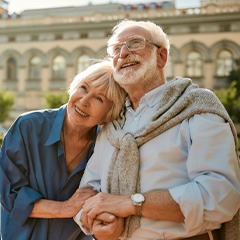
(145, 72)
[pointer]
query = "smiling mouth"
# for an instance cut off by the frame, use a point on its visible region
(129, 64)
(81, 112)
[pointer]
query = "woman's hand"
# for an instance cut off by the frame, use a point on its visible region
(71, 206)
(44, 208)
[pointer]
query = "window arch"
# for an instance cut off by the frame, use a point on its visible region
(34, 68)
(83, 62)
(224, 63)
(194, 64)
(11, 69)
(58, 68)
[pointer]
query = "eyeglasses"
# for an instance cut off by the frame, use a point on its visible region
(133, 44)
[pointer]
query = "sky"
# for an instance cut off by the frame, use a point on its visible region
(20, 5)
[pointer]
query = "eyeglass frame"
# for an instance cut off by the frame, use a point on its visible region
(125, 43)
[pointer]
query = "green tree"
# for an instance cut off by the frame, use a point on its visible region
(55, 100)
(231, 101)
(234, 75)
(6, 104)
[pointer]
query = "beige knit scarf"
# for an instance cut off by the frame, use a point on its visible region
(181, 100)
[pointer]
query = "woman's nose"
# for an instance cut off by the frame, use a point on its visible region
(85, 99)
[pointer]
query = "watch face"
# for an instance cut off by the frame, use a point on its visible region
(138, 198)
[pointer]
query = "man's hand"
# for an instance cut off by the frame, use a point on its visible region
(117, 205)
(71, 206)
(103, 229)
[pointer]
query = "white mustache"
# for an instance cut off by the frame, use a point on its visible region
(130, 58)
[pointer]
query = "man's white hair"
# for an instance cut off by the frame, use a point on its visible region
(156, 31)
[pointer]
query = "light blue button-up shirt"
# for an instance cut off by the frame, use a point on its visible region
(195, 160)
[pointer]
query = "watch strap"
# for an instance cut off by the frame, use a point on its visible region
(138, 210)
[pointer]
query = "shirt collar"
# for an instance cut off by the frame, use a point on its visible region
(151, 98)
(55, 134)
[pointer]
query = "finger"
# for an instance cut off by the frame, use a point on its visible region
(84, 219)
(90, 221)
(106, 217)
(86, 190)
(103, 229)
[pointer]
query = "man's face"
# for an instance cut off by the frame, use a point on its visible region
(131, 67)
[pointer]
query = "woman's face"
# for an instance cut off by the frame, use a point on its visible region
(88, 106)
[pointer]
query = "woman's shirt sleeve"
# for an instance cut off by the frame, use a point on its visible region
(17, 198)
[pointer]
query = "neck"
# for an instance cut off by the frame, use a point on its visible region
(138, 90)
(76, 142)
(77, 133)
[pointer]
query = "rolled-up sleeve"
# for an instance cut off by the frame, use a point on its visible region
(213, 192)
(23, 205)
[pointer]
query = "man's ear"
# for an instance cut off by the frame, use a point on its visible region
(162, 54)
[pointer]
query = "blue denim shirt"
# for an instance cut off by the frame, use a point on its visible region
(32, 167)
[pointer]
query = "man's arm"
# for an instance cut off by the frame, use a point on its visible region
(158, 205)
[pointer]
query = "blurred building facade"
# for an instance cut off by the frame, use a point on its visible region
(42, 50)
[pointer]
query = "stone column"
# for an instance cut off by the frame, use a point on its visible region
(70, 74)
(45, 78)
(179, 69)
(209, 74)
(45, 81)
(22, 77)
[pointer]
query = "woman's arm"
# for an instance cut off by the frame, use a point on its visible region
(44, 208)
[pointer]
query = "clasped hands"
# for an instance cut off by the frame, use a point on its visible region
(103, 215)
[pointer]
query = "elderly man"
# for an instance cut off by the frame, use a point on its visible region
(169, 165)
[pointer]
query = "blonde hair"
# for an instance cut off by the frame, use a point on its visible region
(156, 31)
(100, 75)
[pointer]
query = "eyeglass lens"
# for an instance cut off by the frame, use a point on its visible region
(132, 44)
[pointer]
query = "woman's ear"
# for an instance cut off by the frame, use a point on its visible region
(162, 54)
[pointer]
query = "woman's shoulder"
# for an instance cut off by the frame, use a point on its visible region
(34, 118)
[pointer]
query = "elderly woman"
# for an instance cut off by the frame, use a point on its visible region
(44, 155)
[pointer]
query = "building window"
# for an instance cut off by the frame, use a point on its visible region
(128, 7)
(34, 37)
(58, 68)
(140, 7)
(11, 68)
(152, 5)
(83, 62)
(194, 64)
(34, 68)
(224, 63)
(84, 35)
(12, 39)
(58, 36)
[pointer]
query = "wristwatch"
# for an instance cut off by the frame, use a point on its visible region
(137, 200)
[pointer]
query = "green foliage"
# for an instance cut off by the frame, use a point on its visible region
(1, 140)
(230, 100)
(6, 104)
(234, 76)
(55, 100)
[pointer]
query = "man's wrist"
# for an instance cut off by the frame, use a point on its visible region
(137, 200)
